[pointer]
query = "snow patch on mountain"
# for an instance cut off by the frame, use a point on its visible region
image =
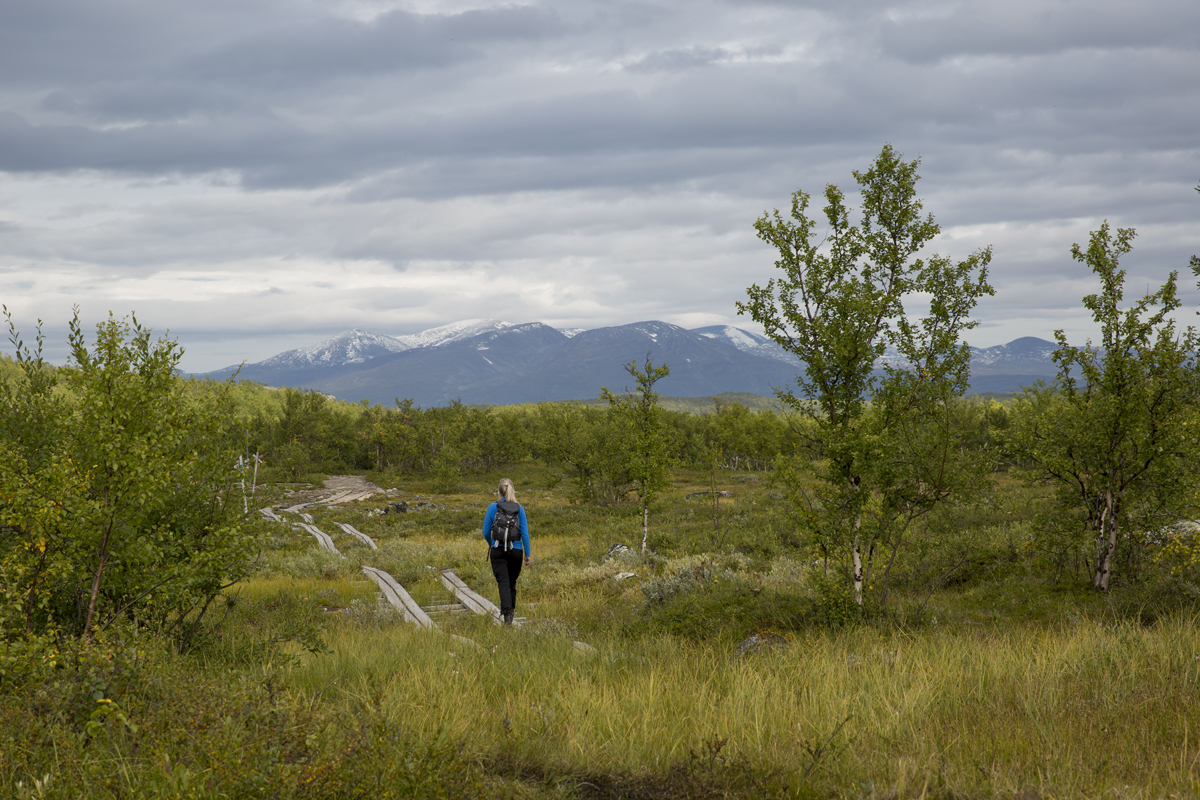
(653, 328)
(358, 347)
(444, 334)
(747, 342)
(1025, 355)
(1025, 349)
(350, 347)
(742, 340)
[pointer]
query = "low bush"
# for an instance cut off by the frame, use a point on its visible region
(723, 610)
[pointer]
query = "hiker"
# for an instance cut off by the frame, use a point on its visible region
(507, 535)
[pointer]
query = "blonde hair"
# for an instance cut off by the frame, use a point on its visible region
(507, 492)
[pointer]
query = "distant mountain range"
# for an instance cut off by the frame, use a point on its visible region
(488, 361)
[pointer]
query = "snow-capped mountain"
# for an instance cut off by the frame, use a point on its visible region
(747, 342)
(351, 347)
(1027, 358)
(760, 345)
(533, 362)
(455, 331)
(358, 347)
(490, 361)
(1027, 354)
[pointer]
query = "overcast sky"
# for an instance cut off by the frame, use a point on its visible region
(257, 175)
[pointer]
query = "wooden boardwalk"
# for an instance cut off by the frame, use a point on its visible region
(470, 600)
(401, 599)
(481, 605)
(351, 496)
(321, 536)
(357, 534)
(397, 596)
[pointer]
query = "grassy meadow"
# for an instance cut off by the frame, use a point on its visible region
(992, 671)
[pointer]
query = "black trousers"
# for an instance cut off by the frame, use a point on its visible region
(506, 566)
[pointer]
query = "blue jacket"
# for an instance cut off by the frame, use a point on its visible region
(487, 529)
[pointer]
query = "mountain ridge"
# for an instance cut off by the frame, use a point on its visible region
(492, 361)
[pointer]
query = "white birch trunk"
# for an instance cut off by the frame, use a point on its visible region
(856, 554)
(1108, 545)
(645, 524)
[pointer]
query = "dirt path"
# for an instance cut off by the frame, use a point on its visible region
(335, 485)
(350, 483)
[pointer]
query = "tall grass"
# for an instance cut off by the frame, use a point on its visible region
(1067, 712)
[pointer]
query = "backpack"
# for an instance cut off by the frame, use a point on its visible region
(506, 525)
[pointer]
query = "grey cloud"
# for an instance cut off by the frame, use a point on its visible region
(170, 147)
(321, 50)
(727, 108)
(1039, 27)
(51, 42)
(440, 178)
(137, 62)
(678, 60)
(272, 152)
(146, 101)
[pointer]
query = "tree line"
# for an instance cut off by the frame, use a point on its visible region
(300, 432)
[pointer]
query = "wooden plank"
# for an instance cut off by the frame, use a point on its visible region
(446, 607)
(468, 598)
(483, 606)
(322, 537)
(296, 508)
(349, 496)
(356, 533)
(306, 517)
(270, 515)
(397, 596)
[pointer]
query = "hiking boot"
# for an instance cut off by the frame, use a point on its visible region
(508, 617)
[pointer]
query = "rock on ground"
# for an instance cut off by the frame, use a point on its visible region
(619, 550)
(759, 642)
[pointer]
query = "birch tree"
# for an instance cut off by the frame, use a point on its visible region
(839, 305)
(648, 459)
(112, 492)
(1117, 432)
